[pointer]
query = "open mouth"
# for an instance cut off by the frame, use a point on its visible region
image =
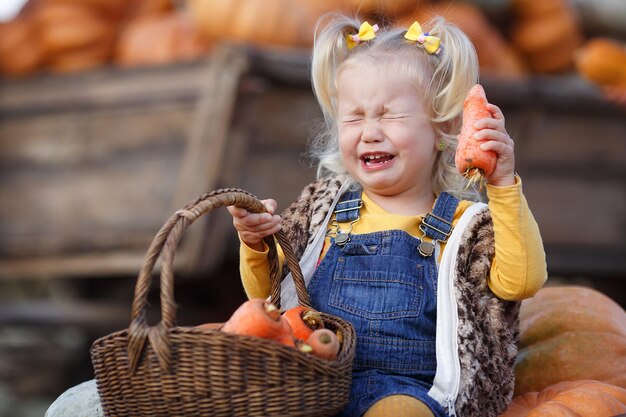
(376, 159)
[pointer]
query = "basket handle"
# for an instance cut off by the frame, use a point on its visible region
(164, 245)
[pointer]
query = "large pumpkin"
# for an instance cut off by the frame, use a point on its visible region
(159, 39)
(111, 8)
(139, 8)
(494, 53)
(66, 27)
(567, 334)
(262, 23)
(388, 8)
(75, 36)
(20, 52)
(547, 32)
(570, 399)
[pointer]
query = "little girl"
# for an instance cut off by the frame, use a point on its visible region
(430, 281)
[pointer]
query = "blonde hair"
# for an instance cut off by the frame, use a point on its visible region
(444, 79)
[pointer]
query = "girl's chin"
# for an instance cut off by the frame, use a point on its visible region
(377, 182)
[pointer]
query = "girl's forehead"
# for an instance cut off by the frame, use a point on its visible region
(382, 65)
(362, 62)
(369, 70)
(378, 72)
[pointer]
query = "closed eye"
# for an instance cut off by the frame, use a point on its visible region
(395, 116)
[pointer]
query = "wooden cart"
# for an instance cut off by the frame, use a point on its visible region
(93, 163)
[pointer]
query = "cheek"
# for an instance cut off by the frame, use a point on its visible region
(345, 151)
(347, 141)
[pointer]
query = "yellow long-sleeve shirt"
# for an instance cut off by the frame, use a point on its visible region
(518, 270)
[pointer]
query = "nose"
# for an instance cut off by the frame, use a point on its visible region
(372, 131)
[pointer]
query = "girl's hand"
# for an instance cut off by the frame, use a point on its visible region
(253, 227)
(495, 138)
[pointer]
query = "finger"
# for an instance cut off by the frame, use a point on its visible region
(495, 111)
(495, 135)
(253, 220)
(237, 211)
(265, 225)
(253, 235)
(272, 230)
(270, 205)
(489, 123)
(498, 147)
(258, 222)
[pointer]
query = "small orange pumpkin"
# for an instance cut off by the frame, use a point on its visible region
(602, 61)
(567, 334)
(570, 399)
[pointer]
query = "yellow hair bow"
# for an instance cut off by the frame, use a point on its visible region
(431, 43)
(366, 32)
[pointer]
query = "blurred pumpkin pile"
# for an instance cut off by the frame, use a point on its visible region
(532, 36)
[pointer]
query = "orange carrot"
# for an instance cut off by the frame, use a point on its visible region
(324, 343)
(257, 317)
(286, 338)
(303, 321)
(471, 161)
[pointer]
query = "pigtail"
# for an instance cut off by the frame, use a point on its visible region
(456, 70)
(330, 49)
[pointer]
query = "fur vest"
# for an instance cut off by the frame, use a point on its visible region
(487, 327)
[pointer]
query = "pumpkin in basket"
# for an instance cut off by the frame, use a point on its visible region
(261, 23)
(567, 334)
(570, 399)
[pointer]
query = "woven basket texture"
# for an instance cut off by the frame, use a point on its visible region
(166, 370)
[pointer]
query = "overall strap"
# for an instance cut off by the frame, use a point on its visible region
(347, 209)
(437, 225)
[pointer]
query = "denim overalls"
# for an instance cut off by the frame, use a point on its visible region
(385, 284)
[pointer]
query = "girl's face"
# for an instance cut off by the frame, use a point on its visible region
(386, 139)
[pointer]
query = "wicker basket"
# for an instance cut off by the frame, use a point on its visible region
(165, 370)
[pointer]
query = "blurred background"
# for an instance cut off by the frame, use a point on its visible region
(115, 113)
